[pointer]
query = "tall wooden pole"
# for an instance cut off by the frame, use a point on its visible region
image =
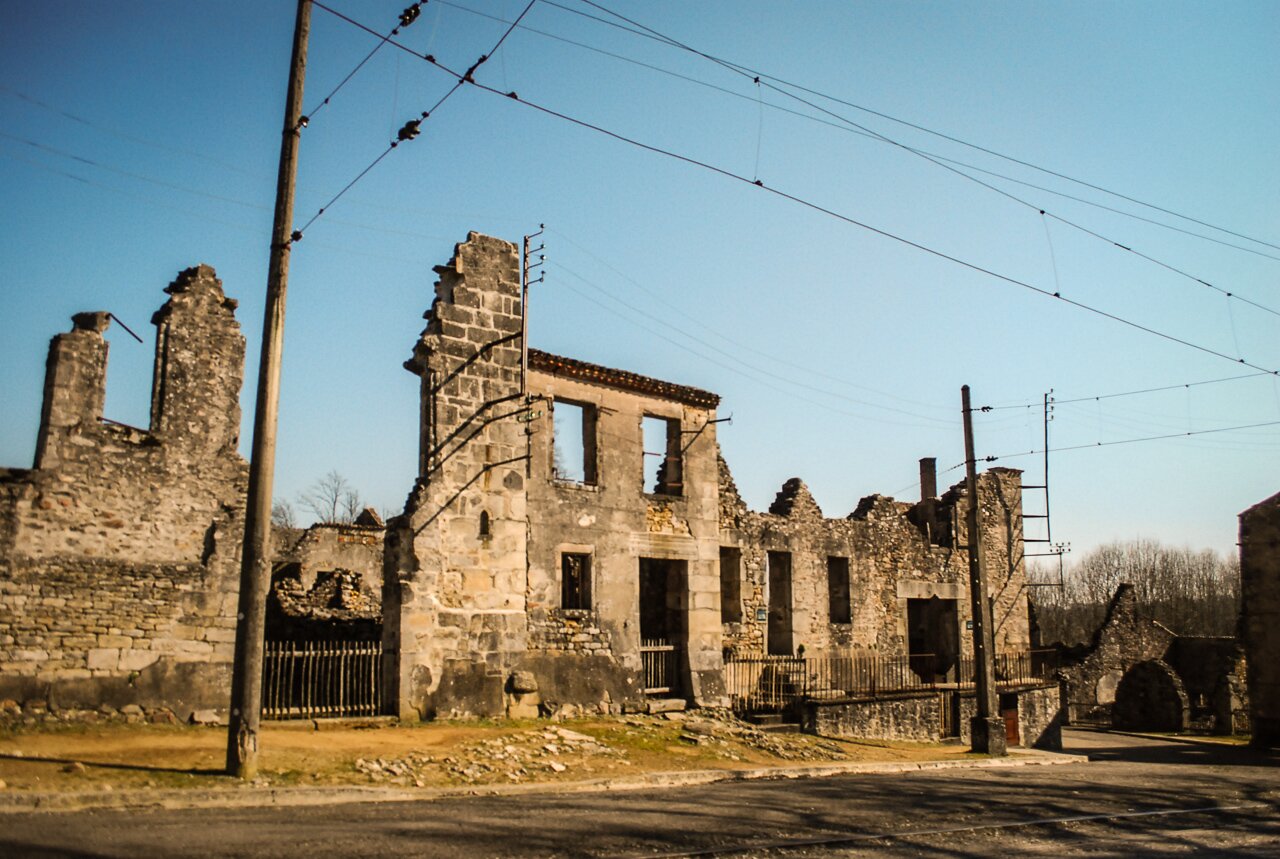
(986, 728)
(255, 564)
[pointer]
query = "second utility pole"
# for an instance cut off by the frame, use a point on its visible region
(987, 728)
(255, 562)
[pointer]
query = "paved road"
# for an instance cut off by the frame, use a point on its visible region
(1138, 798)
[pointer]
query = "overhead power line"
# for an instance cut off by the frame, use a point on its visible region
(467, 77)
(844, 125)
(758, 81)
(649, 32)
(855, 222)
(1038, 404)
(410, 129)
(1130, 441)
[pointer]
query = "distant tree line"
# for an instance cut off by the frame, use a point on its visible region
(1191, 592)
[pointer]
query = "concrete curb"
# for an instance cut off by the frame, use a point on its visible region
(256, 797)
(1169, 738)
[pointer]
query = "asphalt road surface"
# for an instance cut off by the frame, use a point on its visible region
(1137, 797)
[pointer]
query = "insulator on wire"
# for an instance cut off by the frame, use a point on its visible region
(410, 130)
(408, 16)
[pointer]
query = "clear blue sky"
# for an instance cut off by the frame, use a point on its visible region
(141, 138)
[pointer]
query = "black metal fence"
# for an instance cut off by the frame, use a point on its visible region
(319, 679)
(775, 683)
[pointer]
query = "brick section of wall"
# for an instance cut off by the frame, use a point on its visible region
(119, 551)
(1260, 617)
(569, 631)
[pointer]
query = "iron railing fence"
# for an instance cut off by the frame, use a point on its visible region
(775, 683)
(661, 661)
(321, 679)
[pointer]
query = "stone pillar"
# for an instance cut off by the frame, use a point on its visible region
(1260, 616)
(199, 366)
(74, 386)
(455, 597)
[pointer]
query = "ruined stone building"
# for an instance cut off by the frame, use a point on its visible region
(567, 521)
(119, 549)
(1260, 615)
(1138, 674)
(573, 537)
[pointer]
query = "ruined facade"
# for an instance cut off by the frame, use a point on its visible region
(1260, 615)
(573, 539)
(574, 536)
(1137, 673)
(119, 549)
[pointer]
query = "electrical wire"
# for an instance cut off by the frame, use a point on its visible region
(847, 128)
(855, 222)
(410, 129)
(747, 71)
(407, 17)
(756, 79)
(1129, 441)
(1039, 404)
(666, 323)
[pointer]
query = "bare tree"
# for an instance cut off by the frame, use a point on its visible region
(332, 500)
(283, 514)
(1191, 592)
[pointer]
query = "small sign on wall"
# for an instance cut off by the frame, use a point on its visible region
(762, 614)
(968, 624)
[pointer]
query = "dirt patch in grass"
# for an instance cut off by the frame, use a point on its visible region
(440, 754)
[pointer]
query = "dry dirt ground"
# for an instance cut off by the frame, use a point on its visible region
(442, 754)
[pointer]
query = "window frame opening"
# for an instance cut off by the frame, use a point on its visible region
(666, 477)
(575, 581)
(573, 442)
(730, 584)
(839, 599)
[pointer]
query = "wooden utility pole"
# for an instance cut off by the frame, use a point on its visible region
(255, 564)
(986, 728)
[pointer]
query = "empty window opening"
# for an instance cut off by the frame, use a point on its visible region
(730, 585)
(575, 581)
(485, 528)
(838, 590)
(663, 464)
(778, 634)
(574, 447)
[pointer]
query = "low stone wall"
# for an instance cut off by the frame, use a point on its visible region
(905, 716)
(917, 716)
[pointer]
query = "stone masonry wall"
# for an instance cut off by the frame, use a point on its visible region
(1260, 616)
(1125, 639)
(454, 598)
(896, 552)
(119, 550)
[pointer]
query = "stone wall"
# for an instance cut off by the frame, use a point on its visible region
(895, 552)
(119, 550)
(455, 563)
(326, 581)
(917, 716)
(1092, 674)
(625, 529)
(1260, 616)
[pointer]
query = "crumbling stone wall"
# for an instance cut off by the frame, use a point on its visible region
(1260, 616)
(615, 520)
(896, 552)
(1093, 674)
(119, 549)
(454, 598)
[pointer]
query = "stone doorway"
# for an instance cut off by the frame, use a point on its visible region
(663, 627)
(780, 638)
(933, 638)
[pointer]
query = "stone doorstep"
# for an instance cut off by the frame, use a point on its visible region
(247, 796)
(329, 724)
